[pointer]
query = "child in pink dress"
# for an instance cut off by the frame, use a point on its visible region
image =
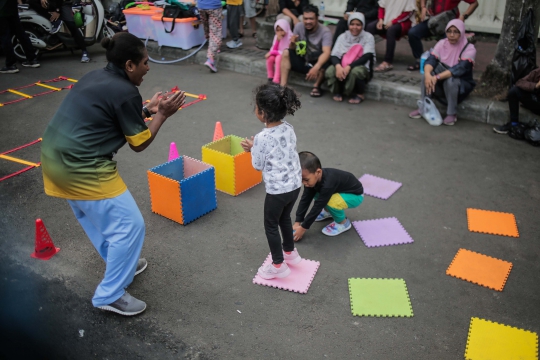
(281, 42)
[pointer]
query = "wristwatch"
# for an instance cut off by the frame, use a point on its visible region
(465, 17)
(146, 112)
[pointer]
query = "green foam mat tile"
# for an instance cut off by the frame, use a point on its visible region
(379, 297)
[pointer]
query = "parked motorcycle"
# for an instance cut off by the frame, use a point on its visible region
(38, 28)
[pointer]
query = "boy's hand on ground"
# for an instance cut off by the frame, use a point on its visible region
(299, 231)
(247, 144)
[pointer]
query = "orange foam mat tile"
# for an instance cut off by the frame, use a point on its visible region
(492, 222)
(480, 269)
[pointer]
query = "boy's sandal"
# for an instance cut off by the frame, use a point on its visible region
(414, 67)
(240, 35)
(383, 68)
(355, 100)
(338, 98)
(316, 92)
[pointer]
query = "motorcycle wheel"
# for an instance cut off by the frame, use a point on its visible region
(17, 47)
(107, 32)
(259, 7)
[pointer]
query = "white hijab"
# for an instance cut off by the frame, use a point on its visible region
(346, 40)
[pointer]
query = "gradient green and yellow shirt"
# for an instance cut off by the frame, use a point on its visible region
(98, 116)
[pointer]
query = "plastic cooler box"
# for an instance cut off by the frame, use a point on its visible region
(139, 22)
(184, 35)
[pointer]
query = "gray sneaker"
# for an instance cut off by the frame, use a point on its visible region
(234, 44)
(141, 266)
(127, 305)
(85, 58)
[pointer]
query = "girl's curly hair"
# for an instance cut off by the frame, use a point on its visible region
(275, 101)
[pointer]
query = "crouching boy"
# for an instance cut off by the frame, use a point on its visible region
(333, 190)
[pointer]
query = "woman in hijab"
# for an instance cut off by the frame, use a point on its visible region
(282, 40)
(394, 22)
(448, 71)
(351, 57)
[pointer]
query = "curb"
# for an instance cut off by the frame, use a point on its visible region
(398, 90)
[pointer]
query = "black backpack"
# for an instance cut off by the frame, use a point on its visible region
(524, 59)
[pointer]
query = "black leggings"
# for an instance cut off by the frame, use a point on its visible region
(529, 100)
(277, 215)
(392, 34)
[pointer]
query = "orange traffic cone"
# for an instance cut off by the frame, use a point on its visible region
(218, 132)
(45, 248)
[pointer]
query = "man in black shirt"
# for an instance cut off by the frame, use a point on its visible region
(333, 190)
(367, 7)
(291, 10)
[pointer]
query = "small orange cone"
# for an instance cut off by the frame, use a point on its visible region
(218, 132)
(45, 248)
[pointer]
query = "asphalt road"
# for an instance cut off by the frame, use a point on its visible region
(198, 286)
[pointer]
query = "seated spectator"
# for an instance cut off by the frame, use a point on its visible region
(282, 39)
(291, 10)
(527, 92)
(394, 22)
(367, 7)
(351, 58)
(318, 45)
(421, 30)
(448, 71)
(61, 10)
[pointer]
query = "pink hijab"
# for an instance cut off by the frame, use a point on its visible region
(283, 43)
(448, 53)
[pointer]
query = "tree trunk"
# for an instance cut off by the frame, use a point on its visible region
(497, 74)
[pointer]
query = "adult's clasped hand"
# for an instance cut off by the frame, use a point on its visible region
(171, 103)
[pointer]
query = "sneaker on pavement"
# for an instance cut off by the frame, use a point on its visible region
(335, 229)
(504, 129)
(234, 44)
(323, 215)
(85, 58)
(293, 258)
(141, 266)
(450, 120)
(33, 64)
(9, 69)
(210, 64)
(415, 114)
(56, 26)
(127, 305)
(269, 271)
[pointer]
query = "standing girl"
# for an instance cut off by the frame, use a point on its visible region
(211, 12)
(273, 151)
(273, 57)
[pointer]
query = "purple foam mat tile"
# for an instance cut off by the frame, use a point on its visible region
(299, 280)
(379, 187)
(382, 232)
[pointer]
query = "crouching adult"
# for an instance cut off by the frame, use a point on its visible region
(448, 72)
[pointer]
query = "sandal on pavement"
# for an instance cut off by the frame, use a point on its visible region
(355, 100)
(338, 98)
(414, 67)
(383, 67)
(316, 92)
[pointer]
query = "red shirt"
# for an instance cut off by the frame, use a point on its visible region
(438, 6)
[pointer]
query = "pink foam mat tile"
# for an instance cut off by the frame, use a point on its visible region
(299, 280)
(382, 232)
(379, 187)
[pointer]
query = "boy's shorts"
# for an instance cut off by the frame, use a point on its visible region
(249, 8)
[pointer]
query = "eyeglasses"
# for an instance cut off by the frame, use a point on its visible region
(453, 32)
